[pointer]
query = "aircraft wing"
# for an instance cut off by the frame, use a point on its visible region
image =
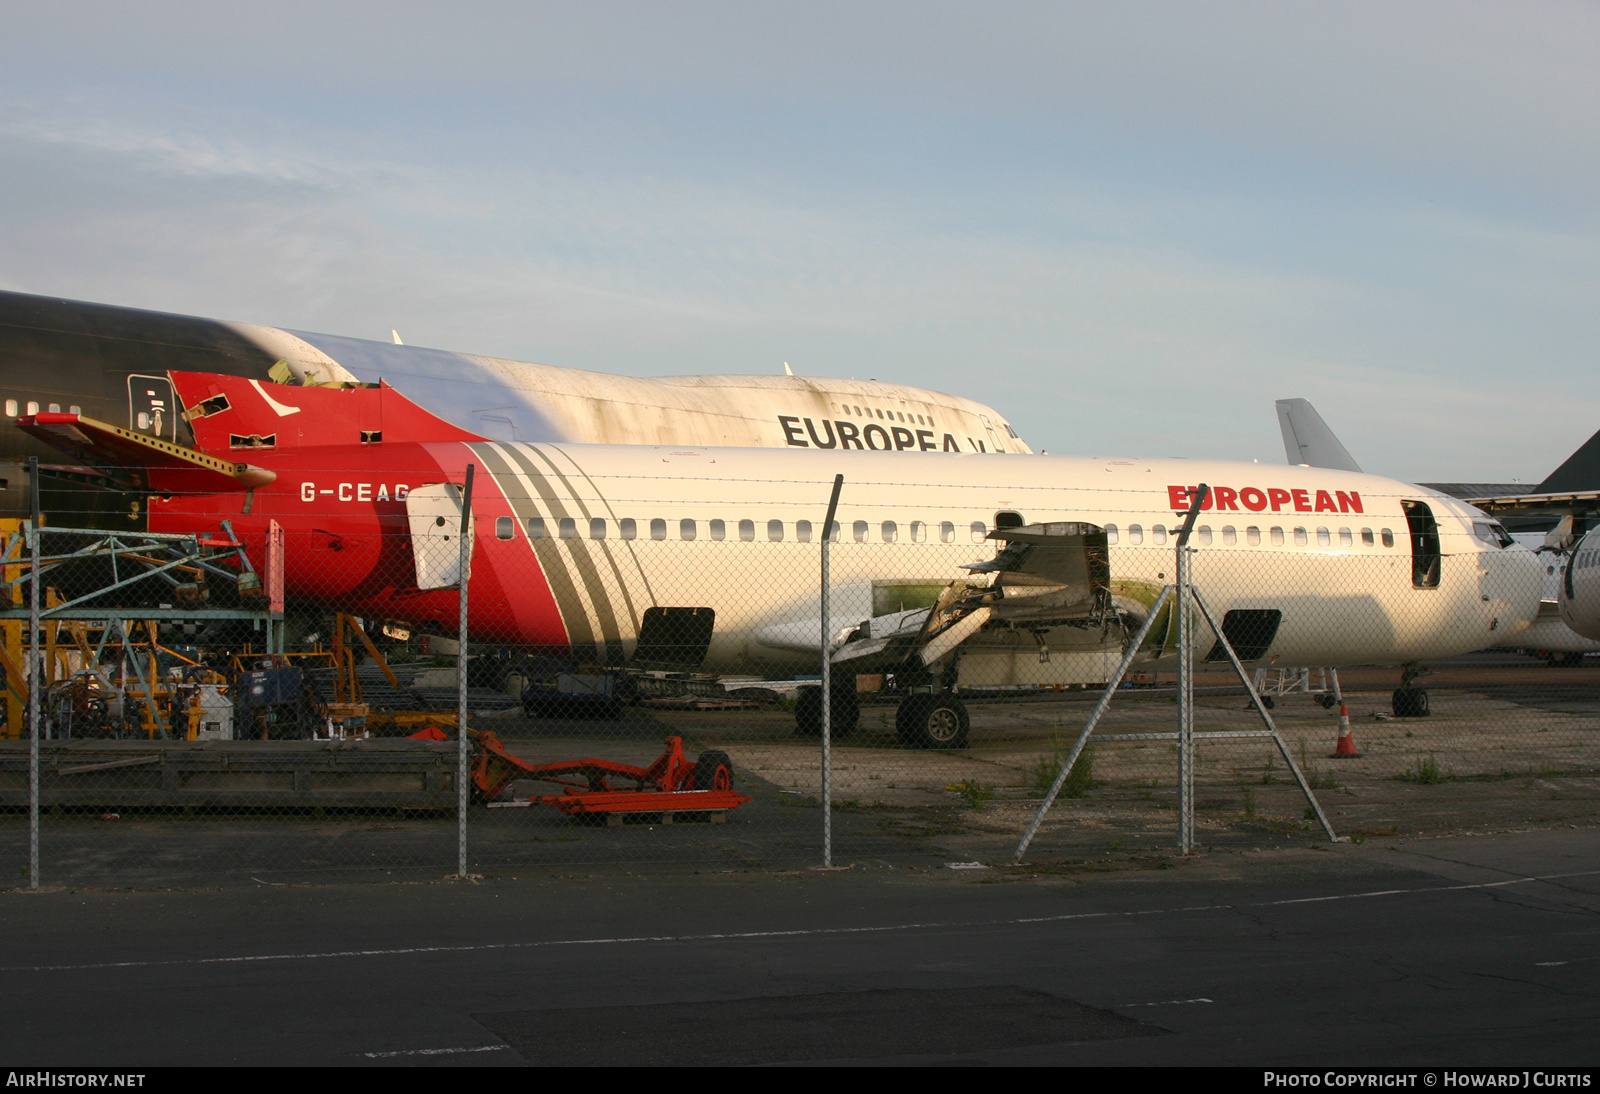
(140, 460)
(1308, 440)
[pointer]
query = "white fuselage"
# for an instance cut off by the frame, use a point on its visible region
(524, 401)
(615, 529)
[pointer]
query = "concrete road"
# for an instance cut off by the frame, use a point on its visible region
(1448, 952)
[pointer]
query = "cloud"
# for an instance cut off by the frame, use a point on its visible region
(1129, 228)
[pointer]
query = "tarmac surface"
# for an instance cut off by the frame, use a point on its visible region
(1454, 951)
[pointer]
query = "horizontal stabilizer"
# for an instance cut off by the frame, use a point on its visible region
(1308, 440)
(140, 460)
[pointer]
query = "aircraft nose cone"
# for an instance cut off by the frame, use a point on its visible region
(1513, 581)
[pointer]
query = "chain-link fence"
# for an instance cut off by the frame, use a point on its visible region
(278, 696)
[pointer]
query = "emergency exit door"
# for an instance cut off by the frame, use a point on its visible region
(152, 409)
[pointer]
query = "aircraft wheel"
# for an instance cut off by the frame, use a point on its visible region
(1567, 660)
(713, 771)
(845, 712)
(1326, 702)
(932, 721)
(1410, 703)
(1268, 701)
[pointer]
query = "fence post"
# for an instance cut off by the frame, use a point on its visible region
(827, 683)
(1185, 710)
(464, 542)
(33, 679)
(1186, 675)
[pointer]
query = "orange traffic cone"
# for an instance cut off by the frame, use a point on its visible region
(1346, 748)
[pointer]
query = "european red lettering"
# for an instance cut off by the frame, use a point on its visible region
(1227, 498)
(1325, 502)
(1349, 503)
(1277, 497)
(1205, 502)
(1178, 497)
(1302, 501)
(1254, 500)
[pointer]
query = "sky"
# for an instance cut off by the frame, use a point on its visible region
(1128, 226)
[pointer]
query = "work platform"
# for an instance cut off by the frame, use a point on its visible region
(354, 774)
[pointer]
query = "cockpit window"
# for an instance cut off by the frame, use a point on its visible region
(1492, 533)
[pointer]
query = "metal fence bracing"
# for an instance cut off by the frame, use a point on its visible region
(599, 671)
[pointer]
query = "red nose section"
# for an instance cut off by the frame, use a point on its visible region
(348, 542)
(235, 414)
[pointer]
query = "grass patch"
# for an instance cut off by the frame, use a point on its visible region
(1080, 780)
(1426, 773)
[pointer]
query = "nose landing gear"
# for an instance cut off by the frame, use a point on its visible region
(1410, 701)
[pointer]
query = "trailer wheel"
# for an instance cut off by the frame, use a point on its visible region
(713, 771)
(932, 721)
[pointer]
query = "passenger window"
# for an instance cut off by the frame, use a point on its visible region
(774, 531)
(1205, 535)
(980, 531)
(1366, 537)
(919, 531)
(947, 532)
(536, 528)
(1158, 534)
(1277, 537)
(890, 531)
(658, 528)
(597, 528)
(504, 527)
(144, 419)
(747, 531)
(860, 531)
(1324, 539)
(802, 531)
(11, 408)
(719, 530)
(833, 533)
(1111, 533)
(687, 529)
(55, 408)
(1345, 538)
(1252, 536)
(1229, 536)
(1300, 537)
(568, 528)
(628, 528)
(1388, 538)
(1135, 533)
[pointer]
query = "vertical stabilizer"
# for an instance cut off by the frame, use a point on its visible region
(1581, 471)
(1308, 440)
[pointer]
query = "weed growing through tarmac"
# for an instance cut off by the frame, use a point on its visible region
(1249, 796)
(974, 792)
(1426, 772)
(1080, 780)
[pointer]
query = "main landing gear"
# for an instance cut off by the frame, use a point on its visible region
(932, 721)
(844, 710)
(1410, 701)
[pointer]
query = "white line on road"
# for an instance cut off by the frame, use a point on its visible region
(803, 932)
(434, 1051)
(1170, 1003)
